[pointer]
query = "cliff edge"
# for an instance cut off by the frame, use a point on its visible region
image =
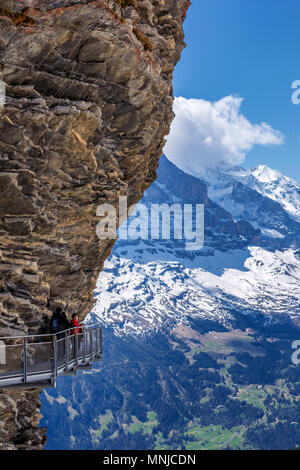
(88, 104)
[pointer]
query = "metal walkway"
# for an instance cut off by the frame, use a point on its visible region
(34, 360)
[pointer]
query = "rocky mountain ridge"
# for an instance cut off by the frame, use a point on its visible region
(148, 285)
(88, 104)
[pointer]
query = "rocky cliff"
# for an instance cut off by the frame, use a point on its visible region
(88, 104)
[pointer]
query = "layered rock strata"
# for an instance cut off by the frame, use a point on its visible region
(88, 105)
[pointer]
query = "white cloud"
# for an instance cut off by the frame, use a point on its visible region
(208, 134)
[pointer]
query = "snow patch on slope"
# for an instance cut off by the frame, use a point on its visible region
(266, 181)
(136, 297)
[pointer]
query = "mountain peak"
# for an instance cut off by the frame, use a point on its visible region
(266, 174)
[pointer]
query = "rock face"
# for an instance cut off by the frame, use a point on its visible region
(88, 104)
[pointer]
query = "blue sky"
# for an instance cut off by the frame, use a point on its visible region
(250, 49)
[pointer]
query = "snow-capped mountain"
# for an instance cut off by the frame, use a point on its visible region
(250, 262)
(264, 197)
(221, 323)
(266, 181)
(276, 186)
(137, 292)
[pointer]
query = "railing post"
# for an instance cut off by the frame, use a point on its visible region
(66, 350)
(91, 345)
(55, 356)
(99, 340)
(96, 332)
(25, 360)
(100, 329)
(84, 343)
(76, 346)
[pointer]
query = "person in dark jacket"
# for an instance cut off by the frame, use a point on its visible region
(59, 323)
(55, 321)
(64, 324)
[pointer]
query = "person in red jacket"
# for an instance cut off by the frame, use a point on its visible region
(78, 330)
(74, 322)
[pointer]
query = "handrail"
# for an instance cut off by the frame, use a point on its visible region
(82, 325)
(64, 353)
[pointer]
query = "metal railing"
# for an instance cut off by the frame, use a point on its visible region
(41, 358)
